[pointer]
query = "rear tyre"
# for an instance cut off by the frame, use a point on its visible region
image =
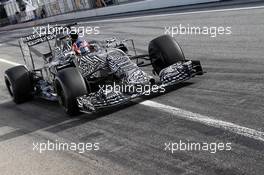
(19, 84)
(69, 85)
(164, 51)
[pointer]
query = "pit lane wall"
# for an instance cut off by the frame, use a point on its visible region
(111, 10)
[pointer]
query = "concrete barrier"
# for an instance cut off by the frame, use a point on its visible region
(111, 10)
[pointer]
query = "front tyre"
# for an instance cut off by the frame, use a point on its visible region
(69, 85)
(164, 51)
(19, 83)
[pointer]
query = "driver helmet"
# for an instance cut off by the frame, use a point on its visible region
(79, 45)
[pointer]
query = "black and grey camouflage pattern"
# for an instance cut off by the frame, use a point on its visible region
(101, 98)
(125, 69)
(177, 72)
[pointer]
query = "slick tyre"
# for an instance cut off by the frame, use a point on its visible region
(19, 84)
(69, 85)
(164, 51)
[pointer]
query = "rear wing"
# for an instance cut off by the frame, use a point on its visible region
(37, 38)
(26, 43)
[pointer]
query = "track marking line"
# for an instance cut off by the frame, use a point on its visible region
(241, 130)
(9, 62)
(6, 130)
(172, 14)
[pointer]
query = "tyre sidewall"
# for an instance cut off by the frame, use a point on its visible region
(19, 83)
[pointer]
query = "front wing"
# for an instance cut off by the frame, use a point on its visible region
(172, 75)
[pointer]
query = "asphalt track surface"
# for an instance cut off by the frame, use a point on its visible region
(132, 136)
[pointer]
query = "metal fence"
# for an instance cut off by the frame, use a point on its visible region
(57, 7)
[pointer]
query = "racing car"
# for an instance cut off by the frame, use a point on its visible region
(110, 74)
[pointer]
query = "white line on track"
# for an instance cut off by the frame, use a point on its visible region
(6, 130)
(241, 130)
(9, 62)
(172, 14)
